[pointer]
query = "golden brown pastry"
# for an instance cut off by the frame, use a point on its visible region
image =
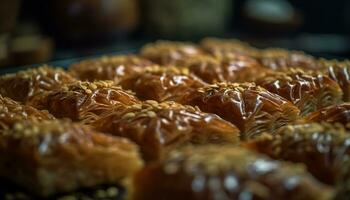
(160, 127)
(322, 147)
(50, 157)
(332, 114)
(12, 112)
(281, 59)
(23, 85)
(163, 83)
(222, 47)
(251, 108)
(84, 101)
(114, 68)
(168, 52)
(225, 172)
(307, 90)
(339, 72)
(231, 68)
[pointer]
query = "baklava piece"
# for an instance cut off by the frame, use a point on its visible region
(12, 112)
(169, 53)
(51, 157)
(332, 114)
(114, 68)
(222, 47)
(280, 59)
(160, 127)
(307, 90)
(23, 85)
(163, 83)
(323, 148)
(84, 101)
(225, 172)
(339, 72)
(251, 108)
(231, 68)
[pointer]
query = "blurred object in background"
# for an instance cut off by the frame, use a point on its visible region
(8, 15)
(90, 21)
(184, 19)
(29, 46)
(271, 17)
(9, 10)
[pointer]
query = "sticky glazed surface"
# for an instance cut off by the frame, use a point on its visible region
(23, 85)
(84, 101)
(12, 112)
(49, 157)
(116, 68)
(160, 127)
(222, 47)
(231, 67)
(251, 108)
(225, 172)
(279, 59)
(323, 148)
(307, 90)
(164, 83)
(339, 72)
(333, 114)
(169, 53)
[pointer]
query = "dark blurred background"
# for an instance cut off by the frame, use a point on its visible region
(40, 30)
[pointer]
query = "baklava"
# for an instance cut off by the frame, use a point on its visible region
(84, 101)
(23, 85)
(161, 127)
(51, 157)
(251, 108)
(225, 172)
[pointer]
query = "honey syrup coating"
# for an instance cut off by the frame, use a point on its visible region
(12, 112)
(23, 85)
(225, 172)
(339, 71)
(163, 83)
(322, 147)
(51, 157)
(116, 68)
(160, 127)
(220, 48)
(307, 90)
(339, 113)
(84, 101)
(168, 52)
(281, 59)
(251, 108)
(231, 68)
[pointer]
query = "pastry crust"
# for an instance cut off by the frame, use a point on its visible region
(225, 172)
(307, 90)
(322, 147)
(160, 127)
(332, 114)
(281, 59)
(169, 53)
(50, 157)
(84, 101)
(251, 108)
(12, 112)
(116, 68)
(339, 72)
(222, 47)
(231, 68)
(23, 85)
(164, 83)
